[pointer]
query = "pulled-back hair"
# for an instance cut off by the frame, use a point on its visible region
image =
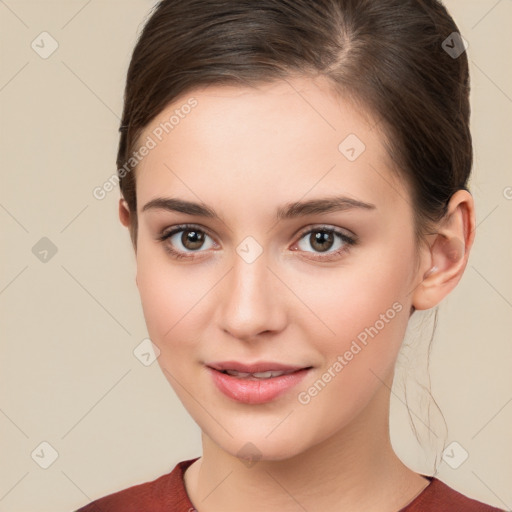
(387, 55)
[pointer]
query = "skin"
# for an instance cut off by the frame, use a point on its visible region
(245, 152)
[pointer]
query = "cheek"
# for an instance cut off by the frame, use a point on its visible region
(350, 301)
(364, 313)
(368, 316)
(170, 296)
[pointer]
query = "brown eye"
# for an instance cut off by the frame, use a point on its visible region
(325, 242)
(192, 239)
(321, 240)
(186, 240)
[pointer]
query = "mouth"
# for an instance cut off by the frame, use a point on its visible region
(257, 375)
(255, 383)
(261, 367)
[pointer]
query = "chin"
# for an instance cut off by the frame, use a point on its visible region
(259, 446)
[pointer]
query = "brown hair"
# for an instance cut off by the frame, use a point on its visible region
(387, 54)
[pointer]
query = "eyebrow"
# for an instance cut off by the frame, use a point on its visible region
(285, 212)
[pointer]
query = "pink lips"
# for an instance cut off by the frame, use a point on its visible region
(255, 391)
(261, 366)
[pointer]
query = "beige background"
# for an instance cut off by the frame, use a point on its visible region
(70, 325)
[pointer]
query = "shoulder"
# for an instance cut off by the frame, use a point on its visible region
(165, 493)
(439, 497)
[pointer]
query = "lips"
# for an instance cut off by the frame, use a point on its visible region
(252, 368)
(255, 375)
(255, 383)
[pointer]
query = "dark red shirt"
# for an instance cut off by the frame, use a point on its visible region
(167, 494)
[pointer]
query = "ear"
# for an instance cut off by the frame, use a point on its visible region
(126, 221)
(124, 213)
(445, 258)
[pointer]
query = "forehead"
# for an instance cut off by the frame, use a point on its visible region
(274, 142)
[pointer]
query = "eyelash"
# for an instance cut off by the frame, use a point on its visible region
(348, 241)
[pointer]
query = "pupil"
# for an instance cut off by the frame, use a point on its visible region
(320, 238)
(192, 239)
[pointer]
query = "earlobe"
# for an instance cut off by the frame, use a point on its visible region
(448, 253)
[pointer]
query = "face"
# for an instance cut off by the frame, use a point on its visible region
(321, 288)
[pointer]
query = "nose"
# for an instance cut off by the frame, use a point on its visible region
(252, 300)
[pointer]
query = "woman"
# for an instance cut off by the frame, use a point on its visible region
(294, 180)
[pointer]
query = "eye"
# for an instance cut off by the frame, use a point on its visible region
(322, 239)
(185, 239)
